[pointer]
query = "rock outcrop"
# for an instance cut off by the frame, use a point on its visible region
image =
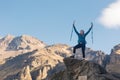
(24, 74)
(114, 61)
(78, 69)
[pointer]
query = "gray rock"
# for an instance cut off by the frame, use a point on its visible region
(78, 69)
(114, 62)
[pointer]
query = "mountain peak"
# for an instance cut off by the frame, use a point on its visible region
(26, 36)
(9, 36)
(5, 41)
(25, 42)
(116, 49)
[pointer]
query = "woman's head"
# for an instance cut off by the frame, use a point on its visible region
(82, 32)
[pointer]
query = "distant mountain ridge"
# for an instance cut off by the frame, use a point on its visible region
(25, 42)
(18, 45)
(28, 55)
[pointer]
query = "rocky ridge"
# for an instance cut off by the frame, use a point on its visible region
(25, 55)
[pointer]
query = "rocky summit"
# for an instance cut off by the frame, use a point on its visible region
(83, 70)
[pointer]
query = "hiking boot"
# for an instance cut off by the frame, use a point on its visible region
(84, 58)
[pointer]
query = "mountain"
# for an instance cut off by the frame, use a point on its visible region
(40, 60)
(11, 46)
(28, 58)
(37, 60)
(114, 61)
(25, 42)
(83, 70)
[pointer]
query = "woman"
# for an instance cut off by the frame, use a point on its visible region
(81, 40)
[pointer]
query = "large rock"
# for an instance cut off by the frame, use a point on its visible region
(78, 69)
(41, 73)
(25, 74)
(114, 62)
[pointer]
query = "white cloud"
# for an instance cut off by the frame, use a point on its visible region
(110, 16)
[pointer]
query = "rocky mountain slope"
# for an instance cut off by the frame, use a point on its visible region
(27, 58)
(39, 61)
(11, 46)
(37, 64)
(42, 59)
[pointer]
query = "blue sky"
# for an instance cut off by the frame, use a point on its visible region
(51, 21)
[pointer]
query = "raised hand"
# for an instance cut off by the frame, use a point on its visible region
(91, 24)
(74, 22)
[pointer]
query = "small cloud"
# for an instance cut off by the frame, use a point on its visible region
(110, 16)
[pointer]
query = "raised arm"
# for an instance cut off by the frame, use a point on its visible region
(75, 28)
(89, 29)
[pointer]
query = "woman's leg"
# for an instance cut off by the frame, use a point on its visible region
(76, 47)
(83, 50)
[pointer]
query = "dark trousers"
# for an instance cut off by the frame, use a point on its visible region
(80, 46)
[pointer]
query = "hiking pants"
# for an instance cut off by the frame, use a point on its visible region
(79, 46)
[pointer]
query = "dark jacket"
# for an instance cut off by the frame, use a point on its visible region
(81, 38)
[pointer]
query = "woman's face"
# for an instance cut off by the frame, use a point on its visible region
(82, 32)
